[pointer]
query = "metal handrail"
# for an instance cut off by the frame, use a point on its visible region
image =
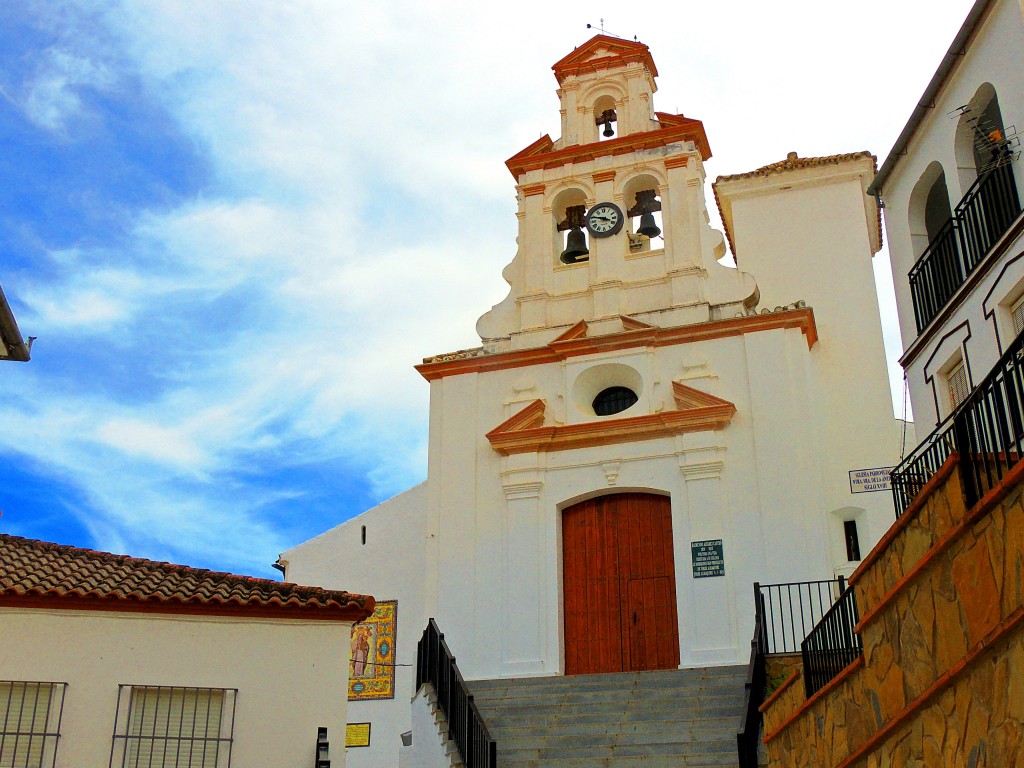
(833, 644)
(792, 608)
(749, 733)
(435, 664)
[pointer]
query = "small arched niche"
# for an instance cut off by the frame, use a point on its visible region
(642, 198)
(567, 226)
(980, 140)
(929, 211)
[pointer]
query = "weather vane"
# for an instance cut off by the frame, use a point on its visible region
(605, 32)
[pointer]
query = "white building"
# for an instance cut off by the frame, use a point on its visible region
(952, 187)
(644, 432)
(112, 660)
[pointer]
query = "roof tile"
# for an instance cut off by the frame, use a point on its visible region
(30, 568)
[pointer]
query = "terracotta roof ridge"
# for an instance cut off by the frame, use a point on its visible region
(794, 162)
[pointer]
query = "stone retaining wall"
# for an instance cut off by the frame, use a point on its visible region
(941, 682)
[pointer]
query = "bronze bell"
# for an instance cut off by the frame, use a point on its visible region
(647, 226)
(575, 247)
(608, 130)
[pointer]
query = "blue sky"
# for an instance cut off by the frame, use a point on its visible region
(234, 228)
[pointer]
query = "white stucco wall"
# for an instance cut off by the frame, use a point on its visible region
(993, 56)
(284, 694)
(390, 566)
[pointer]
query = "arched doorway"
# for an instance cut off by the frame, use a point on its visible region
(619, 583)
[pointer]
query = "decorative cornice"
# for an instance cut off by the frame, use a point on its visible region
(524, 433)
(600, 176)
(541, 153)
(681, 161)
(478, 361)
(534, 189)
(619, 53)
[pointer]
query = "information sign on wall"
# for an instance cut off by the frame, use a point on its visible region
(707, 558)
(868, 480)
(357, 735)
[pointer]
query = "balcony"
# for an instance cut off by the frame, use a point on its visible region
(980, 219)
(986, 431)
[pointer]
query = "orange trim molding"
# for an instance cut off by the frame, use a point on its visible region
(476, 361)
(541, 153)
(632, 324)
(680, 161)
(617, 53)
(525, 433)
(577, 331)
(191, 608)
(534, 189)
(603, 176)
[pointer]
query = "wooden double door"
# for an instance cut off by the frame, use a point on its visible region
(619, 581)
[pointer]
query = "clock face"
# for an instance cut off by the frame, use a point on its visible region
(604, 219)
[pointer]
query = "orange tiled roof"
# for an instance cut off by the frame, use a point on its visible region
(64, 576)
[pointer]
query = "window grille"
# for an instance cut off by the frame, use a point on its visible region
(173, 727)
(30, 715)
(1017, 313)
(958, 388)
(614, 400)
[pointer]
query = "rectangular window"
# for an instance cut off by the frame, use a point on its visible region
(958, 388)
(1017, 313)
(852, 540)
(173, 727)
(30, 714)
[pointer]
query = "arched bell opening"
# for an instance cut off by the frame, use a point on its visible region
(929, 211)
(980, 143)
(642, 197)
(606, 118)
(568, 221)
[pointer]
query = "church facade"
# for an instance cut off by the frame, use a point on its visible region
(644, 431)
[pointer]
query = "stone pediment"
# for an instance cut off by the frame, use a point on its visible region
(603, 52)
(695, 411)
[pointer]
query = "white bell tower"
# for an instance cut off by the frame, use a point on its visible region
(584, 253)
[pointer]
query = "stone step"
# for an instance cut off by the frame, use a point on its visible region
(667, 719)
(712, 725)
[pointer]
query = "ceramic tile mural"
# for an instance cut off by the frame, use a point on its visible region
(371, 668)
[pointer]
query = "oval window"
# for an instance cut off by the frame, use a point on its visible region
(614, 400)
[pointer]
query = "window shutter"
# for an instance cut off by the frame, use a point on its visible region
(24, 711)
(958, 389)
(1017, 313)
(172, 727)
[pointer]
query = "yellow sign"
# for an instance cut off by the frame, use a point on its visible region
(357, 735)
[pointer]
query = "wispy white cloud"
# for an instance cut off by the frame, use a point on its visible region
(357, 218)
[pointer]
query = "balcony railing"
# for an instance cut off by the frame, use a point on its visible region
(435, 664)
(833, 644)
(986, 430)
(980, 219)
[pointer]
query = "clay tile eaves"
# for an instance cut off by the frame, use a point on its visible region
(793, 163)
(63, 575)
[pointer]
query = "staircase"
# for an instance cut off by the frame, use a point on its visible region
(666, 719)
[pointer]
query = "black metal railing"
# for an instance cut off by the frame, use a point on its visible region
(748, 737)
(792, 609)
(986, 431)
(979, 220)
(915, 470)
(833, 644)
(435, 664)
